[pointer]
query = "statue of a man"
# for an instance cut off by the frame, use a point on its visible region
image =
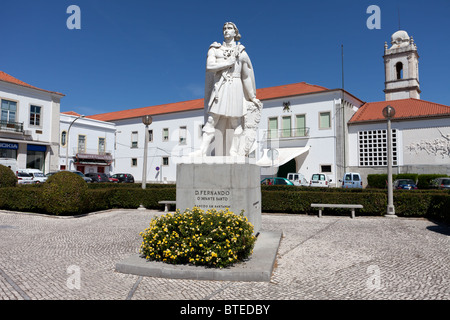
(230, 87)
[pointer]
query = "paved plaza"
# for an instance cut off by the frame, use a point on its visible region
(328, 258)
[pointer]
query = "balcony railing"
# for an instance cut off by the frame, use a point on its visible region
(11, 126)
(287, 133)
(92, 151)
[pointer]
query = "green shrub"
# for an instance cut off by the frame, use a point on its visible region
(422, 180)
(425, 179)
(7, 177)
(64, 193)
(212, 239)
(297, 200)
(377, 181)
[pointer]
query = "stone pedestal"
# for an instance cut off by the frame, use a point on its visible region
(219, 184)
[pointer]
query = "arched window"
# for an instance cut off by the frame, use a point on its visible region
(63, 138)
(399, 69)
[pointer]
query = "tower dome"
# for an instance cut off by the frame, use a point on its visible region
(400, 39)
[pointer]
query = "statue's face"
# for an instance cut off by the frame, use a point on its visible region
(229, 31)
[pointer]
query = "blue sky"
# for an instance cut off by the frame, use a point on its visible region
(136, 53)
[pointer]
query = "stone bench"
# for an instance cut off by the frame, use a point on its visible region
(167, 204)
(352, 207)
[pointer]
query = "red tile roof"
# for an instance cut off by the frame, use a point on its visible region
(8, 78)
(404, 109)
(71, 113)
(262, 94)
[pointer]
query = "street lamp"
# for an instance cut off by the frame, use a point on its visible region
(67, 141)
(388, 113)
(147, 120)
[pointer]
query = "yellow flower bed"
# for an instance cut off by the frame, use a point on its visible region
(212, 238)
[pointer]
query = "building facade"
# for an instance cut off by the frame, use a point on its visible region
(304, 123)
(420, 129)
(86, 145)
(29, 124)
(304, 128)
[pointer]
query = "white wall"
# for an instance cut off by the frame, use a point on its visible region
(422, 142)
(46, 132)
(157, 148)
(321, 141)
(93, 130)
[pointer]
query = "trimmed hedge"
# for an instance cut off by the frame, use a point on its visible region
(31, 198)
(277, 199)
(422, 180)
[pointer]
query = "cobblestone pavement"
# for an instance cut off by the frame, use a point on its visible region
(319, 258)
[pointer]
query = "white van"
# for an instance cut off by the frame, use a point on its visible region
(352, 180)
(297, 179)
(38, 175)
(320, 180)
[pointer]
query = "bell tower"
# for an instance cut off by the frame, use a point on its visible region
(401, 63)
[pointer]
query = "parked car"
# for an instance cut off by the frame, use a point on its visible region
(111, 179)
(351, 180)
(297, 179)
(97, 177)
(24, 178)
(406, 184)
(441, 183)
(124, 177)
(277, 181)
(81, 174)
(37, 175)
(319, 180)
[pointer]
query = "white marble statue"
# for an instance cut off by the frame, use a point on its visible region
(232, 111)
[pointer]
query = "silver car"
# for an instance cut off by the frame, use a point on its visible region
(441, 183)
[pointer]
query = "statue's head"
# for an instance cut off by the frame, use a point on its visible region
(237, 36)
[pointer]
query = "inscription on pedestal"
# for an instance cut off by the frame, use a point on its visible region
(219, 199)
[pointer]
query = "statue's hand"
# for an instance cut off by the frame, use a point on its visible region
(257, 103)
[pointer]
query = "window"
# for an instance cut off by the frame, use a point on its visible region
(35, 115)
(165, 161)
(324, 120)
(134, 139)
(81, 144)
(134, 162)
(273, 128)
(63, 138)
(286, 127)
(165, 134)
(182, 138)
(101, 145)
(9, 109)
(399, 70)
(300, 125)
(325, 168)
(150, 135)
(372, 145)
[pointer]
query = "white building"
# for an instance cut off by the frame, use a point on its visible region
(420, 129)
(309, 128)
(87, 145)
(303, 122)
(29, 124)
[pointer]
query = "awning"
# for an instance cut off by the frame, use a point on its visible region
(93, 159)
(89, 156)
(280, 156)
